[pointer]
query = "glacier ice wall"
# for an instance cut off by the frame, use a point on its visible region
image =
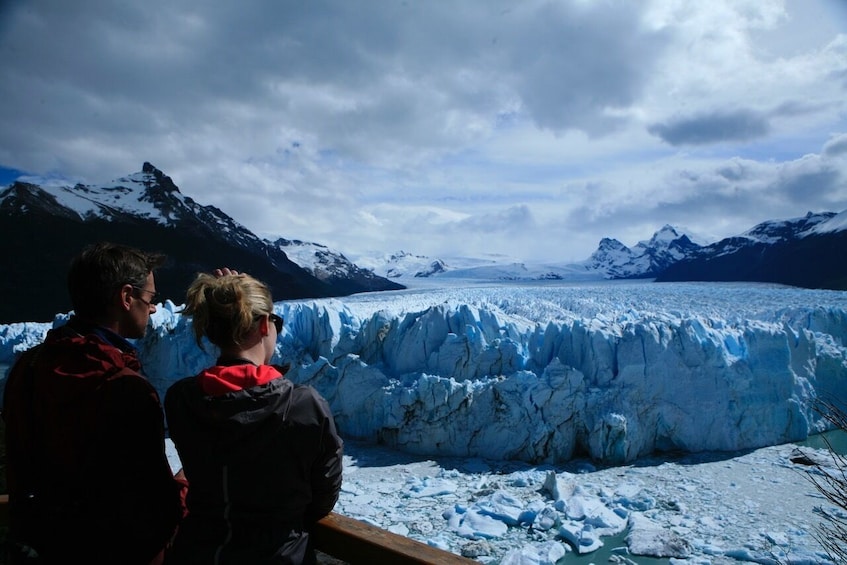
(543, 375)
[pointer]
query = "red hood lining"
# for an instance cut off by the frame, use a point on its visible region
(219, 380)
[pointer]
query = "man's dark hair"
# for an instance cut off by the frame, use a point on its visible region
(101, 269)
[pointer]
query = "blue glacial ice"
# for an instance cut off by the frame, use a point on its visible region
(546, 373)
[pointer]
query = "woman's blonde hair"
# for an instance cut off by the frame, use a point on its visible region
(226, 309)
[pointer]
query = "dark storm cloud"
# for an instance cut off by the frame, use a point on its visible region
(515, 219)
(367, 79)
(717, 127)
(735, 170)
(813, 187)
(794, 108)
(571, 62)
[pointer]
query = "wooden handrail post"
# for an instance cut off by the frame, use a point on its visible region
(355, 542)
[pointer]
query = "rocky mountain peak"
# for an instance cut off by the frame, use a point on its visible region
(665, 234)
(610, 247)
(163, 181)
(33, 199)
(145, 209)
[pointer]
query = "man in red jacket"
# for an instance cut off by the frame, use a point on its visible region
(88, 477)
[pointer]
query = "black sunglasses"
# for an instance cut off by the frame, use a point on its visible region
(154, 296)
(278, 321)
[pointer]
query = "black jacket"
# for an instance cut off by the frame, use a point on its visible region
(263, 463)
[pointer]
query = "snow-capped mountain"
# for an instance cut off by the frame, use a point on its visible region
(834, 224)
(810, 251)
(776, 231)
(43, 227)
(766, 233)
(416, 269)
(404, 265)
(612, 260)
(646, 259)
(332, 266)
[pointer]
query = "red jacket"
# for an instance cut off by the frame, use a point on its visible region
(86, 467)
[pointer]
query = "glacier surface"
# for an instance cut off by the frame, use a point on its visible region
(548, 372)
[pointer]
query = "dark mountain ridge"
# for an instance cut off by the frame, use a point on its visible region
(807, 252)
(42, 228)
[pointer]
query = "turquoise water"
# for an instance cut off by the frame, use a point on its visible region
(835, 440)
(612, 545)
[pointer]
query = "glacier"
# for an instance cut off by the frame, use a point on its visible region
(547, 372)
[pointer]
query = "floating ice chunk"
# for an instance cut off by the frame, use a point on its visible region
(604, 520)
(469, 523)
(711, 549)
(631, 496)
(581, 536)
(504, 507)
(557, 487)
(776, 538)
(545, 519)
(640, 503)
(361, 511)
(742, 554)
(399, 529)
(476, 548)
(368, 499)
(439, 542)
(429, 486)
(351, 488)
(522, 479)
(547, 553)
(580, 504)
(648, 538)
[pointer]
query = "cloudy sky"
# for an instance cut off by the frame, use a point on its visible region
(525, 128)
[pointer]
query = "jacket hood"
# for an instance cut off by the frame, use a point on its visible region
(222, 379)
(242, 416)
(81, 350)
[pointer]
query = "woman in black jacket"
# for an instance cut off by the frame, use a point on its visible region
(261, 455)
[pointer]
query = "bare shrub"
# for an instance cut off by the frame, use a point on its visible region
(830, 480)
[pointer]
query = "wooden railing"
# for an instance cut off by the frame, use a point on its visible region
(353, 542)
